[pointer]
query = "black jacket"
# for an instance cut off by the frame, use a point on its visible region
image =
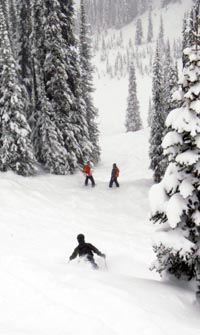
(85, 249)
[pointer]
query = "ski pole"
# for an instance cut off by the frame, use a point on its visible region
(106, 266)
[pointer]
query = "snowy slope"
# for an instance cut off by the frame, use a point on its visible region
(111, 95)
(40, 217)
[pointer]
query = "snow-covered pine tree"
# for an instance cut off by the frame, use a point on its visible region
(175, 201)
(150, 29)
(14, 26)
(133, 120)
(38, 56)
(51, 149)
(158, 118)
(78, 113)
(138, 32)
(25, 58)
(5, 7)
(170, 81)
(16, 152)
(185, 38)
(87, 84)
(62, 81)
(47, 138)
(161, 35)
(191, 26)
(56, 86)
(170, 85)
(11, 18)
(149, 117)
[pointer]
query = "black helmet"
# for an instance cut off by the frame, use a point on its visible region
(80, 238)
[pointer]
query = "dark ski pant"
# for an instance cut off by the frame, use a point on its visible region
(113, 180)
(91, 260)
(91, 179)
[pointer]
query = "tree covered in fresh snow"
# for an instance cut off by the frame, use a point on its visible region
(161, 34)
(175, 201)
(157, 118)
(170, 85)
(87, 83)
(10, 9)
(77, 108)
(16, 151)
(47, 138)
(62, 82)
(133, 120)
(138, 32)
(190, 23)
(149, 113)
(185, 38)
(150, 29)
(170, 78)
(25, 57)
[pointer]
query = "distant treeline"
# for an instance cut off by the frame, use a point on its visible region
(103, 14)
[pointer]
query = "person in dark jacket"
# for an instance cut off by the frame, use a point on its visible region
(86, 250)
(114, 176)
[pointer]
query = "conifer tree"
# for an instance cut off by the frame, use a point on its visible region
(139, 32)
(12, 20)
(161, 35)
(63, 86)
(16, 152)
(47, 138)
(56, 83)
(158, 118)
(149, 113)
(185, 38)
(87, 84)
(51, 149)
(170, 85)
(25, 58)
(133, 121)
(170, 81)
(177, 246)
(150, 29)
(77, 110)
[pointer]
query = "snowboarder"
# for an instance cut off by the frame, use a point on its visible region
(86, 250)
(88, 174)
(114, 175)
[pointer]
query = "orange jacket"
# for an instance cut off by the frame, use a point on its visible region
(87, 170)
(116, 172)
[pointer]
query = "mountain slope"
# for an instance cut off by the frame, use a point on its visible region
(111, 84)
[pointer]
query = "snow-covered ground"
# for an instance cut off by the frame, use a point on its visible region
(40, 293)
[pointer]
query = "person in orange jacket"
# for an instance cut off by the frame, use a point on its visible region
(114, 175)
(88, 174)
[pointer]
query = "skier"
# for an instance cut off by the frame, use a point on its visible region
(114, 175)
(86, 250)
(88, 173)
